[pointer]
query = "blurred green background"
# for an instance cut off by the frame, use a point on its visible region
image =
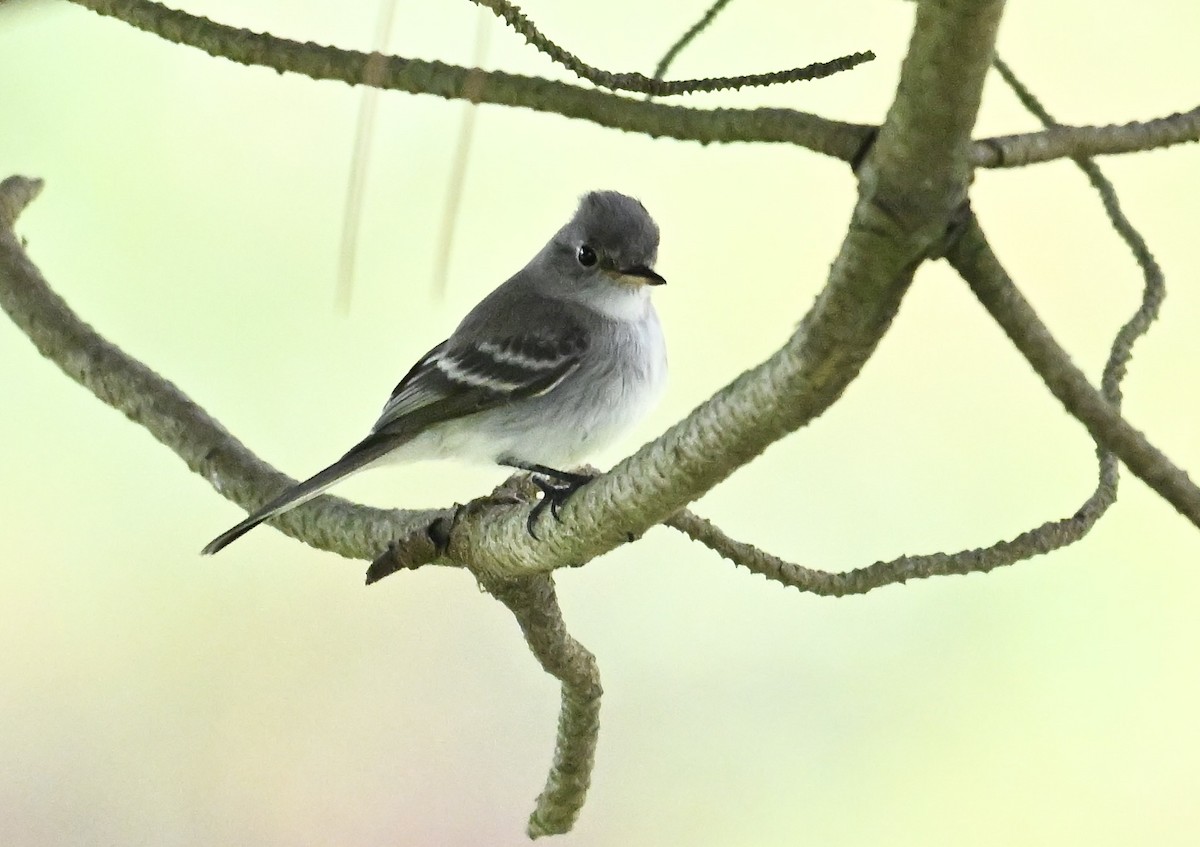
(192, 213)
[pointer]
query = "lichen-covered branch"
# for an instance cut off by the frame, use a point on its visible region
(533, 602)
(927, 125)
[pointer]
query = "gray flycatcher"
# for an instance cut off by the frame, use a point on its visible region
(551, 366)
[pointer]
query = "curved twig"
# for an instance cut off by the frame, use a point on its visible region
(974, 259)
(656, 87)
(1046, 538)
(1155, 289)
(533, 602)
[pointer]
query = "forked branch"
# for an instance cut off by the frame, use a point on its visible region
(1049, 536)
(833, 138)
(973, 258)
(912, 184)
(838, 139)
(870, 276)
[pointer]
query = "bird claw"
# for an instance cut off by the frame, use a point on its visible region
(553, 497)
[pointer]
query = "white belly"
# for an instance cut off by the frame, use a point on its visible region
(563, 427)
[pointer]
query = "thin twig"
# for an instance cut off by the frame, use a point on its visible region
(1154, 290)
(832, 138)
(1046, 538)
(687, 38)
(640, 84)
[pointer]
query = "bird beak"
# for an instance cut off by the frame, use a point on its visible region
(643, 274)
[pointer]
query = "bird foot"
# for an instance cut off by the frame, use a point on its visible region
(554, 496)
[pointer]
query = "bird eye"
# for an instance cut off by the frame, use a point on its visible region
(586, 256)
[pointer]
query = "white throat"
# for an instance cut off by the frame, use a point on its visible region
(621, 302)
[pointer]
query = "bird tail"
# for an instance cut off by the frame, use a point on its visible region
(359, 456)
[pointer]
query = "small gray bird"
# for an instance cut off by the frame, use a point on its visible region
(551, 366)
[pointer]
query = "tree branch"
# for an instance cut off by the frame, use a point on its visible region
(1046, 538)
(660, 70)
(328, 523)
(833, 138)
(1154, 290)
(656, 87)
(838, 139)
(972, 257)
(1042, 539)
(1060, 142)
(886, 242)
(533, 602)
(913, 182)
(927, 127)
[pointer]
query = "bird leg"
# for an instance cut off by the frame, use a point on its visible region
(554, 494)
